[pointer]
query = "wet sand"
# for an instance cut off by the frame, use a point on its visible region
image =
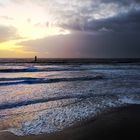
(120, 123)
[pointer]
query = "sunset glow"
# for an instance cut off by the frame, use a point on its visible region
(73, 29)
(30, 22)
(68, 67)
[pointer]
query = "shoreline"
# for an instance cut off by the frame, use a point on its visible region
(118, 123)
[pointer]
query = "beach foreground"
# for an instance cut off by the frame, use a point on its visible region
(120, 123)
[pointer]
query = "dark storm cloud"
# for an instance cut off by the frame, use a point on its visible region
(91, 14)
(99, 28)
(129, 22)
(7, 33)
(126, 21)
(124, 2)
(87, 45)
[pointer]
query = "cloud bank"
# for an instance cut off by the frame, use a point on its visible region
(99, 28)
(7, 33)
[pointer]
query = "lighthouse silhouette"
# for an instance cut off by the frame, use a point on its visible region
(35, 59)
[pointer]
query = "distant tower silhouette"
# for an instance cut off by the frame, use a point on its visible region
(35, 58)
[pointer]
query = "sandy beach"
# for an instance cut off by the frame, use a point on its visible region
(69, 69)
(120, 123)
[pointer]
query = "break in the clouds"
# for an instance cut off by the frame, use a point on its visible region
(76, 28)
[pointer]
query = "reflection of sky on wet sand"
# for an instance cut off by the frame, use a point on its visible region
(11, 118)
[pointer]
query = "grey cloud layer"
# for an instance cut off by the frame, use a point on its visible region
(7, 33)
(90, 14)
(111, 15)
(106, 28)
(87, 45)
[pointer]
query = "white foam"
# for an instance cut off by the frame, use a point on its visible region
(129, 100)
(57, 119)
(70, 101)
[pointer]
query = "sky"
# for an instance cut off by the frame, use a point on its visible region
(70, 28)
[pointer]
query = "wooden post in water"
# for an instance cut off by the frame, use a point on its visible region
(35, 59)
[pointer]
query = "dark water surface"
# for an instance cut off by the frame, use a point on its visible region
(42, 98)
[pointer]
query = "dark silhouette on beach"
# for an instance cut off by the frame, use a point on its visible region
(35, 59)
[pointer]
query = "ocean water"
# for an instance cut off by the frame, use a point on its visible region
(40, 98)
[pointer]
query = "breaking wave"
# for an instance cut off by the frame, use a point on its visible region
(36, 99)
(28, 80)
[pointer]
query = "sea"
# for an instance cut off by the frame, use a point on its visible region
(49, 96)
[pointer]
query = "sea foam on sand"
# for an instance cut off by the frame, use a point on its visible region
(40, 99)
(56, 119)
